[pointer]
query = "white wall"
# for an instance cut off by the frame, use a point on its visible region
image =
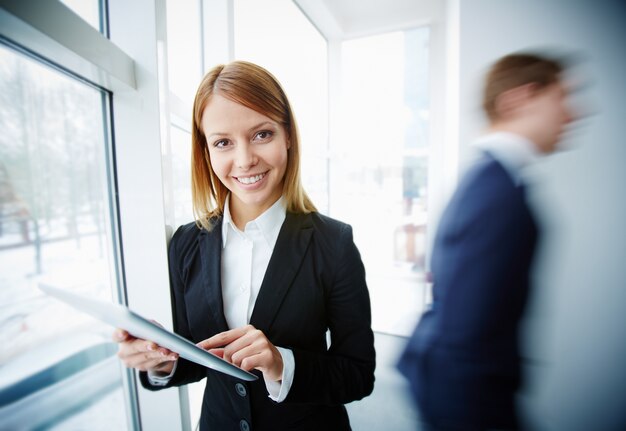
(576, 336)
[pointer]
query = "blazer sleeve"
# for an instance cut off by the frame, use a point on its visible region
(186, 371)
(345, 372)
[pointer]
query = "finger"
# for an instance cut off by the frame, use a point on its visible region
(219, 352)
(156, 323)
(237, 357)
(131, 347)
(254, 362)
(224, 338)
(260, 346)
(163, 351)
(141, 363)
(146, 359)
(269, 364)
(253, 337)
(154, 347)
(140, 360)
(166, 352)
(139, 346)
(129, 350)
(120, 335)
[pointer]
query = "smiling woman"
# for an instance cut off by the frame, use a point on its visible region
(243, 107)
(261, 277)
(248, 153)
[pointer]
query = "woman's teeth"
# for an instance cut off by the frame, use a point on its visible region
(250, 180)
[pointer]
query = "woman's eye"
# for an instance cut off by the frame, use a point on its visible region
(263, 135)
(220, 144)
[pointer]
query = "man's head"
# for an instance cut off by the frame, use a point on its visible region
(524, 94)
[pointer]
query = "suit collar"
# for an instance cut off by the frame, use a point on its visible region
(514, 152)
(291, 245)
(211, 255)
(293, 241)
(269, 222)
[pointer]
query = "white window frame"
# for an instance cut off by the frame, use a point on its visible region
(127, 66)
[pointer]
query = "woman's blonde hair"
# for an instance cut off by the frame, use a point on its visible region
(255, 88)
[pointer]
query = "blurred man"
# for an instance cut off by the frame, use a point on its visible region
(463, 358)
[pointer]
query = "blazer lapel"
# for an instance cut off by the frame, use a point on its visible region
(211, 255)
(290, 248)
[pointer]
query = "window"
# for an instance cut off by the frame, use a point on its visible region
(184, 56)
(96, 198)
(55, 228)
(89, 11)
(184, 71)
(379, 168)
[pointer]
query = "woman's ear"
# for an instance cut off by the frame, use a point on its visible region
(288, 140)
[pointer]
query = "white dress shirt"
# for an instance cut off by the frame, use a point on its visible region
(245, 257)
(513, 151)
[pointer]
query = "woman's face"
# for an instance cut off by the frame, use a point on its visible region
(248, 154)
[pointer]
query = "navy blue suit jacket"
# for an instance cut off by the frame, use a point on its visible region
(315, 281)
(463, 358)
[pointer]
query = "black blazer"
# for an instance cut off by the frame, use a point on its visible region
(315, 281)
(463, 359)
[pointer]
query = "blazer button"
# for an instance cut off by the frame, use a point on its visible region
(241, 389)
(244, 425)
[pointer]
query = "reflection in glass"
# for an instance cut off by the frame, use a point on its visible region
(379, 168)
(56, 365)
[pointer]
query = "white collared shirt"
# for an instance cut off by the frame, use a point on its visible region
(513, 151)
(245, 258)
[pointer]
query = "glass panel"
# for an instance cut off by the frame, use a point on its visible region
(184, 55)
(379, 168)
(181, 175)
(57, 366)
(89, 10)
(300, 63)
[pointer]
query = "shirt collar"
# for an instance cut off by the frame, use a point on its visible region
(269, 222)
(513, 151)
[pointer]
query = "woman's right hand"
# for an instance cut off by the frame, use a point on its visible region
(144, 355)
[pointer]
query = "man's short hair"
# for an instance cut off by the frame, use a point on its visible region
(515, 70)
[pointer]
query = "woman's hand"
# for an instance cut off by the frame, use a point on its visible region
(248, 348)
(142, 354)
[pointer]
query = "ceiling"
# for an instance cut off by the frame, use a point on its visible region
(346, 19)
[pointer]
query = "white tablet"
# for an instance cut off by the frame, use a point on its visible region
(121, 317)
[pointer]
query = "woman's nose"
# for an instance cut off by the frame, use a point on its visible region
(245, 157)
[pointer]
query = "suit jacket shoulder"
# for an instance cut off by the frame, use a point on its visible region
(188, 234)
(486, 193)
(332, 233)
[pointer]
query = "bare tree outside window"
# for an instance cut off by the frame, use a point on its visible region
(54, 229)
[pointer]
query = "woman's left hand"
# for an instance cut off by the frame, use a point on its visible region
(248, 348)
